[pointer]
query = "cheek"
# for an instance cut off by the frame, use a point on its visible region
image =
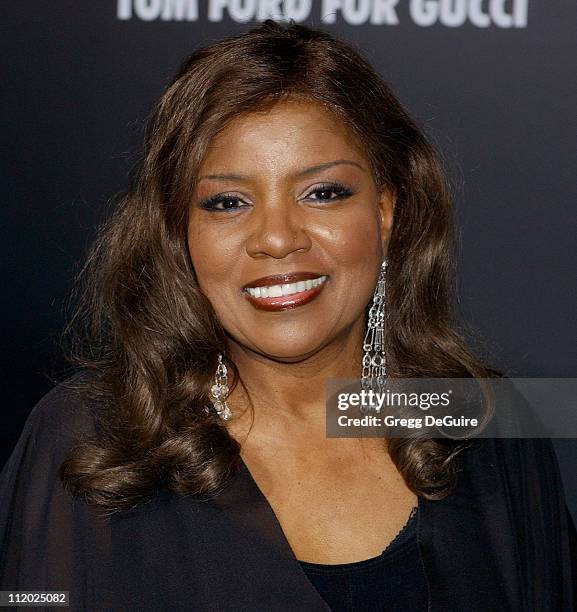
(354, 239)
(356, 252)
(213, 256)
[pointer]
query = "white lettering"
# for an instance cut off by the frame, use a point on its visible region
(453, 13)
(180, 10)
(366, 421)
(518, 19)
(520, 13)
(450, 421)
(424, 12)
(500, 17)
(238, 10)
(329, 10)
(410, 423)
(384, 12)
(215, 9)
(477, 16)
(148, 10)
(124, 9)
(242, 10)
(354, 14)
(269, 9)
(298, 10)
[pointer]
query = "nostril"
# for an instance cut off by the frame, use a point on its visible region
(278, 242)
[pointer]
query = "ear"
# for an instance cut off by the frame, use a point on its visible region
(386, 204)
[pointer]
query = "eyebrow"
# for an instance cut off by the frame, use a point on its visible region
(300, 173)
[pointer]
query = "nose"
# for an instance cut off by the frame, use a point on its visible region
(279, 229)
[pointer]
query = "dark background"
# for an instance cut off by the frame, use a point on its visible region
(499, 102)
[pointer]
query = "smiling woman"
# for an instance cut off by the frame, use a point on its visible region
(286, 195)
(289, 223)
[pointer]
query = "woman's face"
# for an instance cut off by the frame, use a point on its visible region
(287, 230)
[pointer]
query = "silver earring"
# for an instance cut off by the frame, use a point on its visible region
(219, 391)
(374, 364)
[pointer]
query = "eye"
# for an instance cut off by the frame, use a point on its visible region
(222, 203)
(329, 192)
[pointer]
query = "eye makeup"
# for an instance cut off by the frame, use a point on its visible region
(227, 202)
(341, 191)
(219, 203)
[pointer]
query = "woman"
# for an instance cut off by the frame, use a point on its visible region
(185, 466)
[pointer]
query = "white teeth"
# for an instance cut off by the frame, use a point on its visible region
(285, 288)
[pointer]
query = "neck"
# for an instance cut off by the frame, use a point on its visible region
(295, 391)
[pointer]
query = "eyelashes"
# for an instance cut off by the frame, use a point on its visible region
(220, 203)
(224, 202)
(341, 191)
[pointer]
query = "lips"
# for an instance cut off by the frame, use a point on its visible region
(284, 291)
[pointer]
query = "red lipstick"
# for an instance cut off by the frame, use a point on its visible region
(279, 292)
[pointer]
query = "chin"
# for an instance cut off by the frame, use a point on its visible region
(287, 352)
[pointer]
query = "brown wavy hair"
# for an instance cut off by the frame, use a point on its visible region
(148, 337)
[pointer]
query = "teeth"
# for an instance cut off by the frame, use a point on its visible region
(285, 288)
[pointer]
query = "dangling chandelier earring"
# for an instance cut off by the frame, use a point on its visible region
(219, 391)
(374, 365)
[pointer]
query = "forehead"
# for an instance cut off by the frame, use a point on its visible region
(287, 132)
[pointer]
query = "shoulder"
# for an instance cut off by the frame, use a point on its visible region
(36, 512)
(515, 437)
(62, 417)
(69, 401)
(515, 458)
(522, 473)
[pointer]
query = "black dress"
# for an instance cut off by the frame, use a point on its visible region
(393, 581)
(501, 541)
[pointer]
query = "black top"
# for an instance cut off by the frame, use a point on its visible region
(391, 581)
(500, 541)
